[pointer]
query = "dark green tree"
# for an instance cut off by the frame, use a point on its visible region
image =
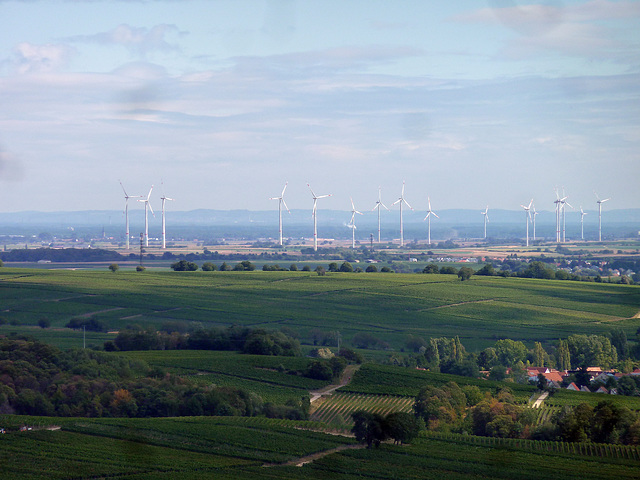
(430, 268)
(369, 428)
(402, 427)
(114, 267)
(465, 273)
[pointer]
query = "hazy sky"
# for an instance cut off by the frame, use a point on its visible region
(470, 102)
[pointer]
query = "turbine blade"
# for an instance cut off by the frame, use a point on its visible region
(605, 200)
(436, 215)
(285, 205)
(407, 204)
(285, 187)
(125, 192)
(324, 196)
(384, 205)
(313, 194)
(150, 208)
(149, 196)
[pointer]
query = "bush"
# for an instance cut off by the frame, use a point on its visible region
(346, 267)
(293, 267)
(184, 266)
(306, 268)
(371, 269)
(208, 267)
(243, 266)
(44, 323)
(114, 267)
(140, 268)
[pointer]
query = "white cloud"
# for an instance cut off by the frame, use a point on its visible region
(138, 40)
(30, 58)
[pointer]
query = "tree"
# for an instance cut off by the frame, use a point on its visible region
(293, 267)
(465, 273)
(487, 270)
(563, 356)
(371, 269)
(140, 268)
(333, 267)
(114, 267)
(368, 428)
(346, 267)
(430, 268)
(209, 267)
(542, 382)
(224, 267)
(448, 270)
(245, 265)
(538, 354)
(386, 270)
(320, 270)
(44, 323)
(510, 352)
(402, 427)
(184, 266)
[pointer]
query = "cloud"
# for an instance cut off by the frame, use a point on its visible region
(138, 40)
(574, 30)
(30, 58)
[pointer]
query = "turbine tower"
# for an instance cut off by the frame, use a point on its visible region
(534, 221)
(429, 213)
(486, 219)
(352, 224)
(600, 202)
(126, 210)
(564, 215)
(582, 214)
(315, 216)
(280, 203)
(164, 233)
(402, 200)
(527, 218)
(378, 205)
(146, 217)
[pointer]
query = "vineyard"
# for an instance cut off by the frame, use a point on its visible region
(335, 410)
(387, 306)
(239, 448)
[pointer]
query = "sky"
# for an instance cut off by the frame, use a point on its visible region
(219, 103)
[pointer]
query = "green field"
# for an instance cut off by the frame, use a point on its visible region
(257, 448)
(256, 373)
(389, 306)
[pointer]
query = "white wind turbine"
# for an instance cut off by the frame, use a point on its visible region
(600, 202)
(352, 224)
(527, 218)
(315, 216)
(146, 217)
(280, 203)
(402, 200)
(378, 205)
(582, 214)
(564, 215)
(429, 213)
(164, 234)
(126, 210)
(486, 220)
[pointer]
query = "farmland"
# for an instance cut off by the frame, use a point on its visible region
(238, 448)
(389, 306)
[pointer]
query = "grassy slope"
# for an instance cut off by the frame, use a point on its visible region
(389, 306)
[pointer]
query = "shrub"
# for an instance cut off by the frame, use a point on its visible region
(140, 268)
(208, 267)
(114, 267)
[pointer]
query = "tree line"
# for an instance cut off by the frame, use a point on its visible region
(38, 379)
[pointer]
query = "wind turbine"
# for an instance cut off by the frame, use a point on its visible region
(315, 216)
(126, 210)
(146, 217)
(280, 203)
(582, 214)
(378, 205)
(402, 200)
(564, 215)
(534, 221)
(600, 202)
(527, 217)
(352, 224)
(486, 219)
(164, 234)
(429, 213)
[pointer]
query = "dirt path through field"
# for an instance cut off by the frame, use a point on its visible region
(345, 379)
(299, 462)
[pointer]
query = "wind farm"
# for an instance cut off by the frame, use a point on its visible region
(568, 227)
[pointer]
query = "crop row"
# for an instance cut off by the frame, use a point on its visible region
(336, 409)
(629, 452)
